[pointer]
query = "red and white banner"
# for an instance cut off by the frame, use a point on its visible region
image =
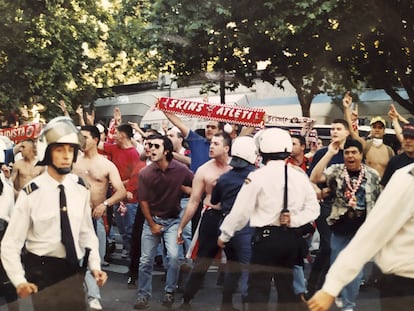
(223, 113)
(288, 121)
(22, 132)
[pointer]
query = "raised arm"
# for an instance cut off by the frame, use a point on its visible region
(317, 175)
(347, 104)
(395, 119)
(174, 119)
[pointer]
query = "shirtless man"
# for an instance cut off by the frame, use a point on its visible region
(25, 169)
(376, 153)
(98, 172)
(203, 183)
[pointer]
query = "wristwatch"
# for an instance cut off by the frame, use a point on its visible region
(106, 203)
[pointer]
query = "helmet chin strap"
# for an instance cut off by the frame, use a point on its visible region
(62, 170)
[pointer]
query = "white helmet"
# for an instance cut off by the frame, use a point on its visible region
(60, 130)
(243, 148)
(274, 140)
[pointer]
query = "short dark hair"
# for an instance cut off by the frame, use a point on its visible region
(93, 130)
(353, 143)
(126, 128)
(343, 122)
(168, 145)
(226, 139)
(301, 139)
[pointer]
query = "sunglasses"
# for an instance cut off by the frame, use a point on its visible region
(156, 146)
(213, 127)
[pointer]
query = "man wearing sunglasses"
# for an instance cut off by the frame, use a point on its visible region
(159, 191)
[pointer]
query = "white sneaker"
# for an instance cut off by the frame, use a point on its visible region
(94, 304)
(338, 302)
(125, 253)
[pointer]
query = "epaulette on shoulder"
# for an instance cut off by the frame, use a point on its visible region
(30, 188)
(247, 181)
(83, 182)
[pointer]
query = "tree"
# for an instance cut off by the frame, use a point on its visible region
(197, 37)
(45, 51)
(230, 37)
(379, 41)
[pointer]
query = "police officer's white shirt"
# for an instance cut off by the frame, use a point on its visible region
(6, 199)
(260, 199)
(35, 222)
(387, 234)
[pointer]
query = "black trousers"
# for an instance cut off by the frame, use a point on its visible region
(7, 290)
(396, 293)
(207, 251)
(135, 250)
(60, 285)
(322, 262)
(275, 250)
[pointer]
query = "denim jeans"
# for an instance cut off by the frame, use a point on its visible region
(92, 287)
(299, 281)
(149, 244)
(101, 234)
(125, 223)
(350, 292)
(187, 232)
(238, 252)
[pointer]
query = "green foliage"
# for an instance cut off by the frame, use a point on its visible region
(42, 51)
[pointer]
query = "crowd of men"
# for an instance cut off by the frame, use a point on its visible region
(252, 197)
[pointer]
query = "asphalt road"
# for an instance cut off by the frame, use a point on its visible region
(116, 296)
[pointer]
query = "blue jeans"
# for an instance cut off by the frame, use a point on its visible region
(350, 292)
(149, 243)
(299, 281)
(187, 232)
(126, 223)
(92, 287)
(101, 234)
(238, 252)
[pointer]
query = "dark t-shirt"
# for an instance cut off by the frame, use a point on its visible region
(228, 186)
(162, 189)
(396, 162)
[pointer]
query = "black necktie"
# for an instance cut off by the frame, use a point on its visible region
(67, 238)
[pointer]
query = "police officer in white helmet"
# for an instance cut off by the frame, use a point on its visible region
(52, 218)
(275, 216)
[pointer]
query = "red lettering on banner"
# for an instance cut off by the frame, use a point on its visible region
(224, 113)
(22, 132)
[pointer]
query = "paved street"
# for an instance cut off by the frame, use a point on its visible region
(117, 297)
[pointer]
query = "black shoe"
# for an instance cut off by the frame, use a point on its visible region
(132, 282)
(111, 247)
(168, 300)
(141, 303)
